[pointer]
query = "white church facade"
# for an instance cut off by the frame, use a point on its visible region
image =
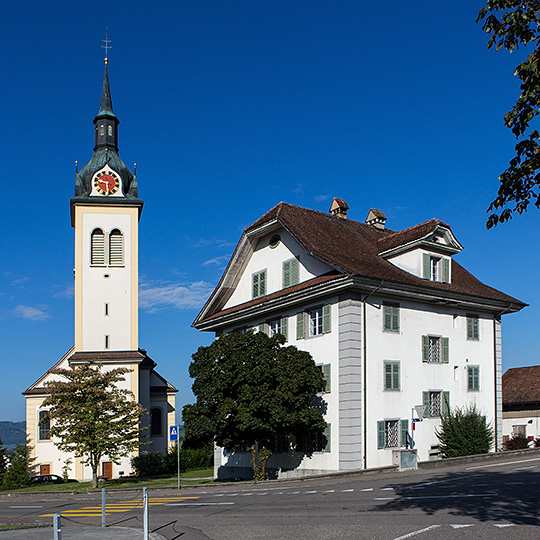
(390, 317)
(105, 213)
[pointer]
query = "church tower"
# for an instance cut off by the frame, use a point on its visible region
(105, 213)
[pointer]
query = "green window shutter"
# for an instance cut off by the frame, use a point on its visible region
(425, 403)
(425, 349)
(387, 376)
(262, 283)
(445, 350)
(404, 432)
(380, 434)
(255, 286)
(326, 319)
(446, 270)
(327, 438)
(285, 328)
(469, 327)
(295, 272)
(286, 274)
(387, 316)
(290, 273)
(425, 266)
(327, 374)
(300, 332)
(395, 375)
(446, 403)
(395, 318)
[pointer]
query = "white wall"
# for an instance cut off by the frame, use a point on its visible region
(416, 377)
(114, 290)
(271, 260)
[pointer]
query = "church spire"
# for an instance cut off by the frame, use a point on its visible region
(106, 122)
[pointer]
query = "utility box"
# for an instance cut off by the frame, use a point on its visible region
(404, 459)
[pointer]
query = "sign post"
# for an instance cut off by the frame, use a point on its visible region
(418, 417)
(173, 436)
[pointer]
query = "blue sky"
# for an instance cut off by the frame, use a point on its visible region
(228, 108)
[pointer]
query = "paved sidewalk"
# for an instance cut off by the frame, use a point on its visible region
(78, 533)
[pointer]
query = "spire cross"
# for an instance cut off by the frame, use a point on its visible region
(107, 45)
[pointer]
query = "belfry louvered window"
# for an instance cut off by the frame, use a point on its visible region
(116, 248)
(97, 255)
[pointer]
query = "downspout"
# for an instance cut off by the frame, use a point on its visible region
(496, 418)
(364, 386)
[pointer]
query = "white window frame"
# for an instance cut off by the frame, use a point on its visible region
(315, 321)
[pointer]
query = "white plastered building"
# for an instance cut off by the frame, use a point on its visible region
(389, 316)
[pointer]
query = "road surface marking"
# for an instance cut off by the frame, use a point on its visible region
(367, 489)
(311, 491)
(503, 525)
(385, 498)
(462, 526)
(514, 483)
(330, 491)
(525, 468)
(414, 533)
(25, 507)
(387, 489)
(346, 490)
(200, 504)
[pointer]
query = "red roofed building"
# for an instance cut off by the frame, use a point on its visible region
(389, 316)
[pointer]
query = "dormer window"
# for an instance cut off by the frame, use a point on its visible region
(436, 268)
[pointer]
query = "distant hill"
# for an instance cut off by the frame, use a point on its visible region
(12, 433)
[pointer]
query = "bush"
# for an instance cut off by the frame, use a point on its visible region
(190, 458)
(464, 432)
(517, 442)
(16, 475)
(150, 464)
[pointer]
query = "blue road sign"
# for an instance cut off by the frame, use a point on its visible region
(173, 433)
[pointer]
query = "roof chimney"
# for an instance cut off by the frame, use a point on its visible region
(376, 218)
(339, 208)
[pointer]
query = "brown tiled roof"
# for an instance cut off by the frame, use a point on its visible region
(521, 385)
(405, 236)
(352, 247)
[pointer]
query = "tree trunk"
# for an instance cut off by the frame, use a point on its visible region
(255, 461)
(264, 459)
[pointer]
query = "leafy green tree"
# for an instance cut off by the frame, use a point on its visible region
(249, 388)
(91, 416)
(464, 432)
(16, 475)
(511, 24)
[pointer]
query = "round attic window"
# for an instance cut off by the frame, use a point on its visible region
(274, 241)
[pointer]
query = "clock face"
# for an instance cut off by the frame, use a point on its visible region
(106, 182)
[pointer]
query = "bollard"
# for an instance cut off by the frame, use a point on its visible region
(103, 509)
(145, 514)
(57, 527)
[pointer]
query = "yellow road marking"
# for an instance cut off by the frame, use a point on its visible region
(119, 507)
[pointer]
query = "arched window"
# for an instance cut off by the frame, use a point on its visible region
(102, 130)
(155, 422)
(97, 250)
(44, 426)
(116, 248)
(109, 130)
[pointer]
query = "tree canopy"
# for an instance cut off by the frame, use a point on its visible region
(91, 416)
(511, 24)
(250, 388)
(464, 432)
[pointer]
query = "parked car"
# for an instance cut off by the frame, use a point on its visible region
(47, 479)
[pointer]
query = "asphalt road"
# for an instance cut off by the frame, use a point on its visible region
(492, 500)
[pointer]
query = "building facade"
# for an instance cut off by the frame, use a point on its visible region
(397, 326)
(105, 213)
